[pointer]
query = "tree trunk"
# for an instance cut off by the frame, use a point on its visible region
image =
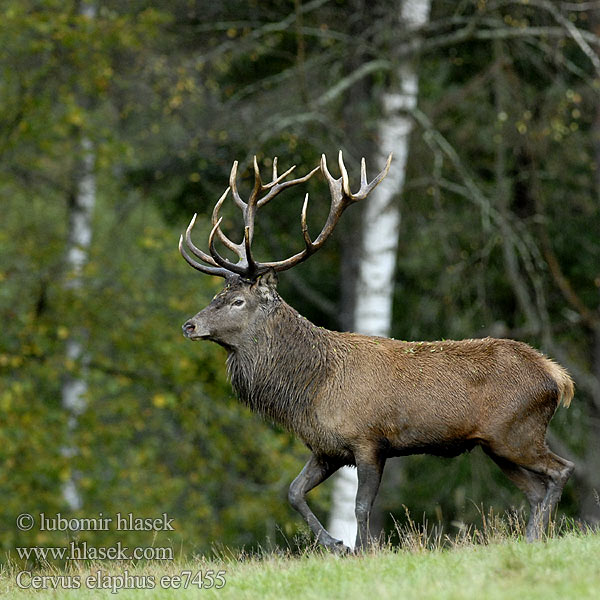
(74, 389)
(381, 221)
(79, 238)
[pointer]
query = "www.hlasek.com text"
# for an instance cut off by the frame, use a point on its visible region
(84, 551)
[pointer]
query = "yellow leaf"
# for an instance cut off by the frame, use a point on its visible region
(75, 117)
(159, 400)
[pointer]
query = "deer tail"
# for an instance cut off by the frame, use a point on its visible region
(566, 387)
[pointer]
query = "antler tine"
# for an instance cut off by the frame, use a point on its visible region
(249, 214)
(252, 266)
(217, 265)
(366, 188)
(363, 172)
(276, 179)
(258, 185)
(338, 197)
(222, 237)
(195, 250)
(240, 268)
(233, 185)
(344, 172)
(324, 168)
(210, 270)
(278, 186)
(343, 182)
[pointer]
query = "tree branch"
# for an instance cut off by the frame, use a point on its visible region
(580, 6)
(573, 31)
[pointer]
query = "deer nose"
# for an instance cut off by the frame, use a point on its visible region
(188, 327)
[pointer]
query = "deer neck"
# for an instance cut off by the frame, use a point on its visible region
(281, 367)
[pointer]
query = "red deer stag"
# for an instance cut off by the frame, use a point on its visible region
(358, 400)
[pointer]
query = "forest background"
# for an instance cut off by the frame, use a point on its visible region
(119, 120)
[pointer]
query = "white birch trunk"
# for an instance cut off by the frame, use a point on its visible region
(79, 238)
(74, 389)
(81, 209)
(381, 222)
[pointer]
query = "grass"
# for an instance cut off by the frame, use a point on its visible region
(427, 567)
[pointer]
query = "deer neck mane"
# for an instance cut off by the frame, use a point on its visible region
(281, 367)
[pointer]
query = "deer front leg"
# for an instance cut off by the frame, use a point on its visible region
(369, 477)
(315, 471)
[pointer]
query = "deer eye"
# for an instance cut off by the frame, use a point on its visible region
(238, 302)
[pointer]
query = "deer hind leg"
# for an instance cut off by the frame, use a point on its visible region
(315, 471)
(541, 478)
(369, 477)
(557, 470)
(533, 486)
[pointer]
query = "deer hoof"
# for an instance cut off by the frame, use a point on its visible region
(339, 547)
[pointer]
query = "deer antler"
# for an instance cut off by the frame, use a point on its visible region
(341, 197)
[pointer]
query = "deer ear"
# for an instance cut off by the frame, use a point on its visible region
(267, 282)
(269, 278)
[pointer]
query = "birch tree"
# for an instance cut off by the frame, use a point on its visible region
(381, 222)
(81, 210)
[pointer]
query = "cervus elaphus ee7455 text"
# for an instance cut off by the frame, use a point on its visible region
(358, 400)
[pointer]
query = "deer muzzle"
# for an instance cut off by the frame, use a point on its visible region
(193, 330)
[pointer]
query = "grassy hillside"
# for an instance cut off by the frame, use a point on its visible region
(561, 568)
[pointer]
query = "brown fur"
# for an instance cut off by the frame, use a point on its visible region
(358, 400)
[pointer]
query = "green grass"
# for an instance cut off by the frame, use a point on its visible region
(560, 568)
